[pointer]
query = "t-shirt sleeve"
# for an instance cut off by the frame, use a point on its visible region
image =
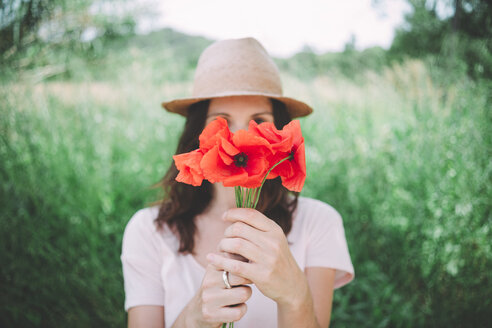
(327, 246)
(141, 262)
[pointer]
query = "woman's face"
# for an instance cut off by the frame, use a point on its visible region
(239, 110)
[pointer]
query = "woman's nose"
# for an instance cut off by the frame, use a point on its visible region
(235, 126)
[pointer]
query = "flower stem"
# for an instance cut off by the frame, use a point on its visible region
(250, 197)
(261, 186)
(239, 196)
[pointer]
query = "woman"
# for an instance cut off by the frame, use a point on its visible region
(194, 260)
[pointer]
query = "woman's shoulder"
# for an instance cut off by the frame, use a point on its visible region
(143, 228)
(316, 216)
(143, 220)
(324, 236)
(315, 208)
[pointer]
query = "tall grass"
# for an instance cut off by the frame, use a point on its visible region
(405, 160)
(407, 163)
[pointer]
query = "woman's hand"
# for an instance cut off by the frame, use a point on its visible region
(211, 306)
(271, 266)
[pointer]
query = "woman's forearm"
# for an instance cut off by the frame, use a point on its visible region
(298, 312)
(181, 321)
(186, 318)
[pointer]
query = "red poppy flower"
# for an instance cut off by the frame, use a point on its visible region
(280, 141)
(243, 158)
(188, 165)
(286, 142)
(281, 144)
(213, 133)
(293, 171)
(242, 161)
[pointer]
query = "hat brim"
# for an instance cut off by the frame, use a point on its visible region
(295, 107)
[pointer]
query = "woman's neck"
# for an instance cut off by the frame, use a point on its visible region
(222, 200)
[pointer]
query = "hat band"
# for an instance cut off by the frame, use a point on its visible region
(250, 80)
(236, 93)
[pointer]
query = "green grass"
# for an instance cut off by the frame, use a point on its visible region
(408, 166)
(404, 158)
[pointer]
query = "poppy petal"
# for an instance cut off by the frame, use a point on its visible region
(188, 165)
(213, 133)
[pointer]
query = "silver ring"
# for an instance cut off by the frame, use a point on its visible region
(225, 277)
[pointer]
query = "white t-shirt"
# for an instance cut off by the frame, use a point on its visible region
(156, 274)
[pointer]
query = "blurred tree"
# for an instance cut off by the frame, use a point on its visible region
(20, 20)
(67, 23)
(350, 45)
(453, 29)
(351, 63)
(17, 18)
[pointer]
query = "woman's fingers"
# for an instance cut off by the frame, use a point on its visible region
(245, 231)
(226, 297)
(231, 313)
(219, 304)
(224, 305)
(236, 280)
(240, 246)
(251, 217)
(237, 295)
(235, 267)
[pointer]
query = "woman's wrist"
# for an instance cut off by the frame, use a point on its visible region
(188, 317)
(300, 293)
(299, 298)
(301, 315)
(298, 310)
(192, 311)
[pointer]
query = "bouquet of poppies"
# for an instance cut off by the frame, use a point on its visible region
(246, 158)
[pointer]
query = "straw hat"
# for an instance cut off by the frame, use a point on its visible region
(236, 67)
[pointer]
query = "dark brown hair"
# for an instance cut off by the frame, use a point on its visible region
(183, 202)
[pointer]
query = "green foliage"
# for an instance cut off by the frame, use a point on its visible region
(350, 63)
(465, 36)
(402, 152)
(73, 171)
(409, 170)
(19, 19)
(105, 59)
(36, 33)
